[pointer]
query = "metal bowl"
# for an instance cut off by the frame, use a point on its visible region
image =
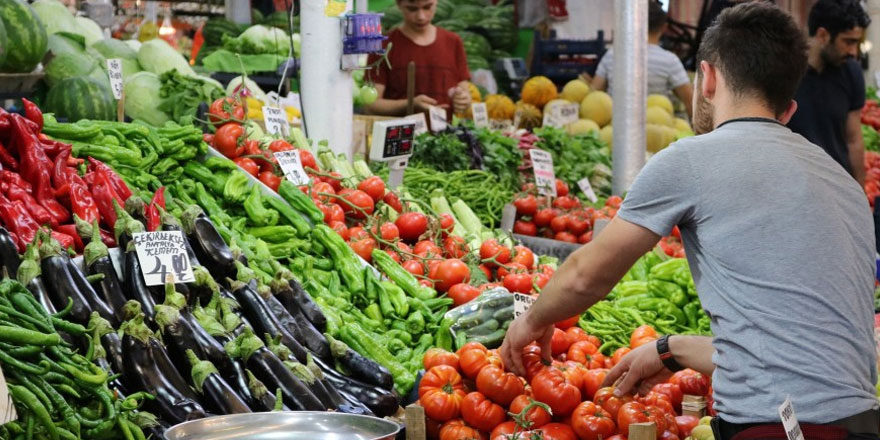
(293, 425)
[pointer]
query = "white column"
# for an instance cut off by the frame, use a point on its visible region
(238, 11)
(630, 91)
(873, 36)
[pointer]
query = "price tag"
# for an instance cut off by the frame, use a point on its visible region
(163, 254)
(501, 125)
(276, 121)
(517, 119)
(877, 78)
(290, 163)
(438, 119)
(567, 114)
(550, 119)
(789, 421)
(7, 409)
(545, 177)
(521, 303)
(587, 188)
(481, 115)
(421, 123)
(114, 72)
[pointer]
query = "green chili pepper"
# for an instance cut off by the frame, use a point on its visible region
(415, 323)
(215, 181)
(256, 212)
(347, 264)
(667, 290)
(300, 201)
(400, 276)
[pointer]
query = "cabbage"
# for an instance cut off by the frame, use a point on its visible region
(63, 42)
(56, 17)
(158, 57)
(112, 48)
(90, 30)
(259, 39)
(69, 65)
(142, 98)
(134, 44)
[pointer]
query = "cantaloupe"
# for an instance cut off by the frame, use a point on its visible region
(682, 125)
(529, 116)
(661, 101)
(655, 137)
(659, 116)
(475, 93)
(500, 107)
(575, 91)
(598, 107)
(582, 126)
(606, 134)
(538, 91)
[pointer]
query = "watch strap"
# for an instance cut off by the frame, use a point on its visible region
(666, 356)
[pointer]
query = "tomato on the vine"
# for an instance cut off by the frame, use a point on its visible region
(551, 387)
(229, 140)
(270, 179)
(526, 205)
(392, 200)
(480, 412)
(427, 247)
(447, 223)
(223, 110)
(523, 227)
(411, 225)
(614, 202)
(566, 237)
(561, 188)
(455, 247)
(414, 267)
(591, 422)
(359, 203)
(462, 293)
(374, 187)
(364, 248)
(451, 272)
(524, 256)
(340, 229)
(565, 203)
(507, 428)
(492, 249)
(248, 165)
(510, 268)
(357, 233)
(560, 223)
(388, 232)
(307, 160)
(518, 282)
(544, 216)
(537, 415)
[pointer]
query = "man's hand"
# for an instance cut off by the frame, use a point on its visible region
(640, 368)
(422, 103)
(521, 333)
(461, 99)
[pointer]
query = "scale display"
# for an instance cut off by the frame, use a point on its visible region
(392, 140)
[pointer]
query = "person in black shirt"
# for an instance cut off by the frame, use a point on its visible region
(832, 92)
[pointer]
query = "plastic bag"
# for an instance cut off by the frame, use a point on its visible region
(485, 319)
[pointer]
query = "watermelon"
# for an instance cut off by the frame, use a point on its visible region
(64, 42)
(445, 9)
(477, 62)
(69, 65)
(277, 19)
(215, 28)
(471, 15)
(27, 33)
(480, 3)
(452, 25)
(475, 44)
(2, 43)
(502, 33)
(81, 97)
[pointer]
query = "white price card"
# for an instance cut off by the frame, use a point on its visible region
(517, 119)
(521, 303)
(290, 163)
(438, 118)
(481, 114)
(7, 408)
(276, 121)
(789, 421)
(545, 177)
(114, 72)
(550, 119)
(163, 254)
(421, 123)
(567, 114)
(587, 188)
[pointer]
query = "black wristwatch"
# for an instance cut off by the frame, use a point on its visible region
(666, 356)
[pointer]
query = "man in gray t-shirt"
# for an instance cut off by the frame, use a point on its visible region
(779, 240)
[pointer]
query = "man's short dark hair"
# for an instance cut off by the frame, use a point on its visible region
(837, 16)
(656, 16)
(759, 50)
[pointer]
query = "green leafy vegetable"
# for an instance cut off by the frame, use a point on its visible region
(181, 95)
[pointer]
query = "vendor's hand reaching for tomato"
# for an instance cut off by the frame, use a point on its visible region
(521, 333)
(639, 370)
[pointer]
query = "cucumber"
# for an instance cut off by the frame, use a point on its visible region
(491, 340)
(460, 339)
(483, 329)
(473, 320)
(499, 301)
(505, 314)
(506, 324)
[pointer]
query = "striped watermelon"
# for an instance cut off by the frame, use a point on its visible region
(27, 33)
(2, 43)
(81, 97)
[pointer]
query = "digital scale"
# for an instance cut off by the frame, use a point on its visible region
(393, 143)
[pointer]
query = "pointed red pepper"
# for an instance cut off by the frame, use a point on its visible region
(33, 113)
(118, 184)
(152, 211)
(37, 211)
(35, 167)
(70, 231)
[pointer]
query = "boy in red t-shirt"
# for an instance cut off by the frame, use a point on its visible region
(441, 65)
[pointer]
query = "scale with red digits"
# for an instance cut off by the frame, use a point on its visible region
(393, 143)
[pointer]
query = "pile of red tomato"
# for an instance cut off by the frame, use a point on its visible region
(469, 394)
(871, 114)
(563, 218)
(872, 176)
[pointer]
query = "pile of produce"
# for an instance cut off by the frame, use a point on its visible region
(263, 46)
(563, 219)
(469, 394)
(872, 176)
(576, 157)
(654, 292)
(488, 32)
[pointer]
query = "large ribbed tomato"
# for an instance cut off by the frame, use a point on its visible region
(499, 386)
(591, 422)
(537, 415)
(441, 393)
(480, 412)
(551, 387)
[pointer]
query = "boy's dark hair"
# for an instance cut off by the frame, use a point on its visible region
(656, 16)
(837, 16)
(759, 50)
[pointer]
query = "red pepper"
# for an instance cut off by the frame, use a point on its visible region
(108, 239)
(15, 179)
(70, 230)
(82, 203)
(118, 184)
(104, 198)
(152, 211)
(18, 221)
(37, 212)
(66, 241)
(33, 113)
(52, 147)
(35, 169)
(7, 159)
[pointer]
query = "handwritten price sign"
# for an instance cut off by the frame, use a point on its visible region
(114, 72)
(290, 163)
(545, 177)
(163, 253)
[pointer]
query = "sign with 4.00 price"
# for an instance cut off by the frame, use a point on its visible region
(545, 177)
(163, 253)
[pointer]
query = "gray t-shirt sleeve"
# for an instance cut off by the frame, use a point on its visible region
(662, 195)
(677, 75)
(604, 67)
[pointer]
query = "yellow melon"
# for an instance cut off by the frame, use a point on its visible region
(575, 91)
(476, 96)
(500, 107)
(661, 101)
(682, 125)
(656, 115)
(552, 105)
(529, 116)
(654, 138)
(538, 91)
(606, 134)
(582, 126)
(598, 107)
